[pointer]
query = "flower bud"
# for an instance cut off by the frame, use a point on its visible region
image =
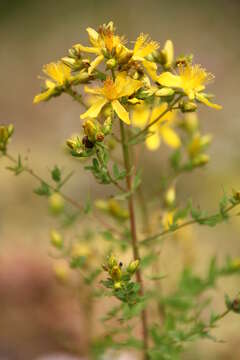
(80, 250)
(56, 203)
(117, 285)
(200, 160)
(112, 261)
(61, 271)
(236, 194)
(116, 210)
(170, 196)
(188, 106)
(6, 132)
(235, 264)
(133, 266)
(164, 92)
(90, 129)
(111, 63)
(107, 126)
(116, 273)
(167, 55)
(56, 239)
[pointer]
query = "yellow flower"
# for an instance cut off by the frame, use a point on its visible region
(103, 42)
(144, 47)
(162, 129)
(110, 92)
(192, 80)
(59, 74)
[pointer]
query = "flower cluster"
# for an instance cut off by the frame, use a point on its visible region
(144, 86)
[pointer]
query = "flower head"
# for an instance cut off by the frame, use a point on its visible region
(59, 74)
(110, 92)
(191, 80)
(104, 42)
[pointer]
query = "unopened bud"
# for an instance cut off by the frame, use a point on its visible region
(56, 239)
(236, 194)
(117, 285)
(201, 160)
(133, 266)
(56, 203)
(107, 126)
(116, 273)
(164, 92)
(99, 137)
(187, 106)
(112, 261)
(61, 271)
(170, 196)
(90, 130)
(111, 63)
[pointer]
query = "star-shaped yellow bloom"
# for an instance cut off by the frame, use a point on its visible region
(104, 41)
(143, 47)
(192, 80)
(110, 92)
(162, 129)
(59, 74)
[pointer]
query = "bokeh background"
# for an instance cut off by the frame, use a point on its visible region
(34, 311)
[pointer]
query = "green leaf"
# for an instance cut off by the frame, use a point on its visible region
(43, 190)
(18, 168)
(56, 174)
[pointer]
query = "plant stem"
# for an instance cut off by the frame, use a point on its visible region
(135, 247)
(64, 196)
(187, 223)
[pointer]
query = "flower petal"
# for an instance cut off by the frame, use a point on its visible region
(170, 80)
(95, 109)
(125, 85)
(170, 137)
(87, 49)
(95, 63)
(153, 141)
(157, 111)
(151, 68)
(120, 111)
(204, 100)
(140, 115)
(93, 36)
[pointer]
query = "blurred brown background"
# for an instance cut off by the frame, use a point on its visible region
(33, 33)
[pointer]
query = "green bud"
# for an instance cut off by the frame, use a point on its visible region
(56, 239)
(187, 106)
(133, 266)
(107, 126)
(117, 285)
(112, 261)
(164, 92)
(200, 160)
(170, 196)
(116, 273)
(236, 194)
(56, 203)
(111, 63)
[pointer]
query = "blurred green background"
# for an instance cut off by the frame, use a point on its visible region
(33, 33)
